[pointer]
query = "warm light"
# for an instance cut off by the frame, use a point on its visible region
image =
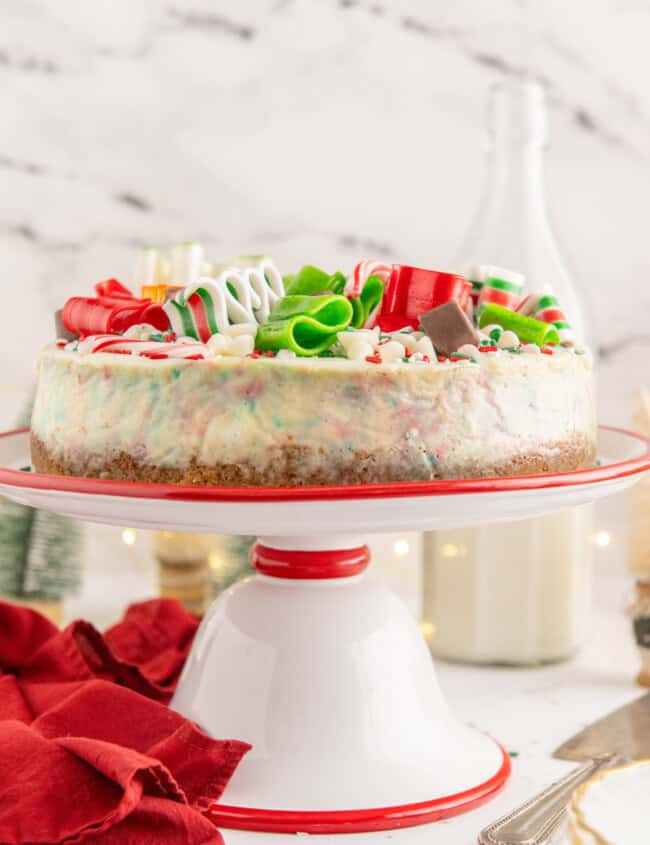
(602, 539)
(449, 550)
(128, 536)
(401, 548)
(216, 562)
(428, 629)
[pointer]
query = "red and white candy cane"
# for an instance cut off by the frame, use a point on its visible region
(354, 285)
(143, 348)
(362, 272)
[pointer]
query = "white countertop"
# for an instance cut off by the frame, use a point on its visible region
(530, 711)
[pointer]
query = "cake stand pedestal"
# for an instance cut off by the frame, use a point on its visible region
(324, 673)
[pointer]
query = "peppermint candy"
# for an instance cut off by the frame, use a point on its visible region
(547, 309)
(208, 306)
(356, 283)
(499, 287)
(142, 348)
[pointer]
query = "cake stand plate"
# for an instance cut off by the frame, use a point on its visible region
(362, 508)
(323, 672)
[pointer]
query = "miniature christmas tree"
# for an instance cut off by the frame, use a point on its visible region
(39, 554)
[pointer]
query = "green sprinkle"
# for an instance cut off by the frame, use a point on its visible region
(176, 373)
(513, 753)
(25, 469)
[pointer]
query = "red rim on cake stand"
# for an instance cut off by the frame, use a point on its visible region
(324, 673)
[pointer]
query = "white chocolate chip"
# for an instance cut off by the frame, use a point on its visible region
(404, 338)
(359, 350)
(242, 345)
(508, 340)
(237, 329)
(424, 346)
(468, 349)
(218, 344)
(368, 336)
(530, 349)
(286, 354)
(141, 331)
(391, 351)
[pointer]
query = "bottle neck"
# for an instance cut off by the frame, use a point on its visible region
(514, 181)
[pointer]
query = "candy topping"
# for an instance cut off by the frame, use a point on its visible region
(527, 329)
(547, 309)
(307, 325)
(412, 291)
(449, 328)
(209, 306)
(114, 309)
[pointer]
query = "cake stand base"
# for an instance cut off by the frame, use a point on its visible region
(330, 680)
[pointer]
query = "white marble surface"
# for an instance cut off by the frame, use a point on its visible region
(315, 131)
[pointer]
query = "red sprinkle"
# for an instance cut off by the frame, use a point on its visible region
(546, 351)
(155, 356)
(441, 358)
(373, 359)
(488, 349)
(426, 358)
(61, 343)
(255, 354)
(197, 357)
(270, 354)
(407, 352)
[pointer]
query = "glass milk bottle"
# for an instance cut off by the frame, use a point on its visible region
(513, 593)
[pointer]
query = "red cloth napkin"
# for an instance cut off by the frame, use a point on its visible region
(89, 751)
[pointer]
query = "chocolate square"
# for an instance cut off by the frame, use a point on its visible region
(448, 327)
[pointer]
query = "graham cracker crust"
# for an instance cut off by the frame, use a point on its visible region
(292, 467)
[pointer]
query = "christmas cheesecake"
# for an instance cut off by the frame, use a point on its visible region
(238, 376)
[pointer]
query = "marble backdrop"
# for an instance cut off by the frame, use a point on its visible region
(313, 130)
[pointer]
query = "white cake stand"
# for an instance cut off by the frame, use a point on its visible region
(325, 674)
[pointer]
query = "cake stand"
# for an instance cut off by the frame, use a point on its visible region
(324, 673)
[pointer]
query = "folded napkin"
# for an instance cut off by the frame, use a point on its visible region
(89, 751)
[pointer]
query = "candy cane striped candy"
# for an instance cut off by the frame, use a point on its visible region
(355, 283)
(144, 348)
(547, 309)
(362, 273)
(501, 287)
(209, 306)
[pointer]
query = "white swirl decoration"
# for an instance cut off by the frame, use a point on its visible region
(208, 306)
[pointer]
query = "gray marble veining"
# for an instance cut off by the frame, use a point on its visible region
(315, 131)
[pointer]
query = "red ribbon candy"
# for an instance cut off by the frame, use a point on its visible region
(112, 311)
(412, 291)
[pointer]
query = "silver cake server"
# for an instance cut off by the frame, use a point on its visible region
(621, 736)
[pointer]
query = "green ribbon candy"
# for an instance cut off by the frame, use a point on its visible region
(311, 280)
(527, 329)
(305, 324)
(367, 301)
